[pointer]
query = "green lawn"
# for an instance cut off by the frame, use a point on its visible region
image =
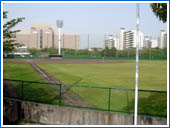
(20, 71)
(152, 76)
(32, 92)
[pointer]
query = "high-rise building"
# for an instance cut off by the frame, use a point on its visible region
(154, 43)
(128, 39)
(110, 42)
(147, 42)
(121, 43)
(163, 39)
(113, 42)
(43, 36)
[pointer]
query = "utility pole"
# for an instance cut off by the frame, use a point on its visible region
(104, 45)
(137, 63)
(59, 25)
(63, 45)
(88, 45)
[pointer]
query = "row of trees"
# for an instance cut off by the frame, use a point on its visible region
(113, 52)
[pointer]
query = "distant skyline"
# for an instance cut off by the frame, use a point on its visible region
(87, 17)
(96, 18)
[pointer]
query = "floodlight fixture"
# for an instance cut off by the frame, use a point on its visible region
(59, 23)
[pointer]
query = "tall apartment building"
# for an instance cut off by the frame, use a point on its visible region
(163, 39)
(154, 43)
(147, 42)
(150, 43)
(112, 42)
(121, 43)
(43, 36)
(128, 39)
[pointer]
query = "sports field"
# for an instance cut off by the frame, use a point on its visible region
(35, 92)
(152, 76)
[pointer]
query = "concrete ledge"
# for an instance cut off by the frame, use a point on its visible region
(73, 116)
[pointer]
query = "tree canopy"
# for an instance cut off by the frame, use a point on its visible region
(160, 10)
(8, 34)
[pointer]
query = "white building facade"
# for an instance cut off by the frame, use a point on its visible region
(163, 39)
(154, 43)
(128, 39)
(113, 41)
(147, 42)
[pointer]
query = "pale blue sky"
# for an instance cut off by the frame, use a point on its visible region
(87, 18)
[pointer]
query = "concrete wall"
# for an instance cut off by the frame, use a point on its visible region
(73, 116)
(11, 111)
(49, 114)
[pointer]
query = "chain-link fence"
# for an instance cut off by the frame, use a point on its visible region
(107, 99)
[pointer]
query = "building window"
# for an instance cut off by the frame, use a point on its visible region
(41, 38)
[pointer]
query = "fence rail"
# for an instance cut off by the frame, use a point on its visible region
(121, 100)
(69, 56)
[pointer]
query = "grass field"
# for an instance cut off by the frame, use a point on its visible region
(152, 76)
(20, 71)
(32, 91)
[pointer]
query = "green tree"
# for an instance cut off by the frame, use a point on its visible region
(160, 10)
(8, 34)
(113, 52)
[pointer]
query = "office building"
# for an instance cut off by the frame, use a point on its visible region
(43, 36)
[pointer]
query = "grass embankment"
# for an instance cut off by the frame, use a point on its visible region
(31, 91)
(152, 76)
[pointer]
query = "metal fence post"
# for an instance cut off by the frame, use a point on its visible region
(75, 45)
(105, 45)
(60, 96)
(128, 53)
(109, 100)
(88, 45)
(22, 93)
(127, 101)
(63, 45)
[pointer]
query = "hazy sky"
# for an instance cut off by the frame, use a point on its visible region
(87, 18)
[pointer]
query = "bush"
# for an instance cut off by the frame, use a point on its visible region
(155, 104)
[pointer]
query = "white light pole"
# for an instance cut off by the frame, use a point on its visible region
(59, 25)
(35, 32)
(137, 62)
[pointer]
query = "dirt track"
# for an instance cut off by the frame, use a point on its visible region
(68, 97)
(64, 60)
